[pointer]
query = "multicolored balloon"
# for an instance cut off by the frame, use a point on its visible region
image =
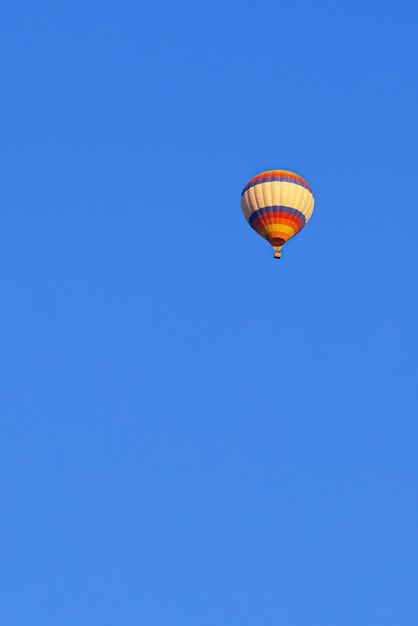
(277, 205)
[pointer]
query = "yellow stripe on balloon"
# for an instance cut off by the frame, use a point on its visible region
(282, 227)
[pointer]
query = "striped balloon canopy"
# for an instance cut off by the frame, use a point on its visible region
(277, 204)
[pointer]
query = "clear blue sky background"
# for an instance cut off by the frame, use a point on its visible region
(194, 434)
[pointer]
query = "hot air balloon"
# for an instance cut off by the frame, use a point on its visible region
(277, 204)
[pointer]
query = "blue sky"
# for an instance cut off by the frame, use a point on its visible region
(194, 434)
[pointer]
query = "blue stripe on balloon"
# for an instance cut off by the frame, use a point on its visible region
(276, 209)
(279, 179)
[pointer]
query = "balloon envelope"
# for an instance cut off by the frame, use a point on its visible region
(277, 204)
